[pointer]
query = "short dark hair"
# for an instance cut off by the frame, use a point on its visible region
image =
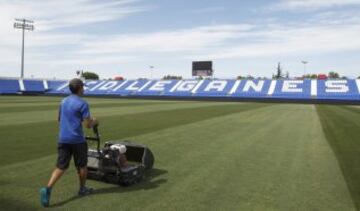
(75, 85)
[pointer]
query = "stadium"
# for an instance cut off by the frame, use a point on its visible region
(222, 134)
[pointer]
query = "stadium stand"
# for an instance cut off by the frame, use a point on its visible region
(158, 88)
(54, 85)
(219, 88)
(9, 86)
(305, 90)
(34, 86)
(293, 89)
(252, 89)
(341, 89)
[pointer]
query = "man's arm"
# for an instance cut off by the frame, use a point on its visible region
(85, 113)
(90, 122)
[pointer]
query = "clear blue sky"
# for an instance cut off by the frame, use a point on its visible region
(125, 37)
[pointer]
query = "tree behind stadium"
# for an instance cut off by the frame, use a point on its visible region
(90, 75)
(279, 73)
(333, 74)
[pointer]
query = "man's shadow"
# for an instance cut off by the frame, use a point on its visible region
(146, 184)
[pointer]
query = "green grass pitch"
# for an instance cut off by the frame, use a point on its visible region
(208, 155)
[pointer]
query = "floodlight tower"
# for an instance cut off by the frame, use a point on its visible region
(24, 25)
(305, 63)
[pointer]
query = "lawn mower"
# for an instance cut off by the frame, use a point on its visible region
(121, 162)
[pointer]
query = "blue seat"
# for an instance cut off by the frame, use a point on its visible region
(54, 85)
(157, 88)
(206, 89)
(181, 93)
(9, 86)
(352, 91)
(305, 86)
(240, 92)
(34, 86)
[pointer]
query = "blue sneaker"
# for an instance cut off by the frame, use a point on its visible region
(85, 191)
(45, 196)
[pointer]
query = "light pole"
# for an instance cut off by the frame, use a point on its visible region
(151, 71)
(305, 63)
(24, 25)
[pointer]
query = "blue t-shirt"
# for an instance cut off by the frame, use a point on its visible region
(73, 110)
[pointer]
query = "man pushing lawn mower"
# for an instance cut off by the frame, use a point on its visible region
(72, 112)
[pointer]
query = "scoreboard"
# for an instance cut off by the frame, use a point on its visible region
(202, 68)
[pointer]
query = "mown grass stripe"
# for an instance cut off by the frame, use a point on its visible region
(352, 109)
(22, 118)
(115, 102)
(28, 99)
(27, 108)
(137, 124)
(341, 126)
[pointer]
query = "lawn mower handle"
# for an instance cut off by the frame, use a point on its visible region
(95, 129)
(96, 138)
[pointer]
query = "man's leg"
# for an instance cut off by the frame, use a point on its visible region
(80, 159)
(55, 176)
(82, 176)
(64, 157)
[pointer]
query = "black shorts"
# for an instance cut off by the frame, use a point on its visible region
(66, 151)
